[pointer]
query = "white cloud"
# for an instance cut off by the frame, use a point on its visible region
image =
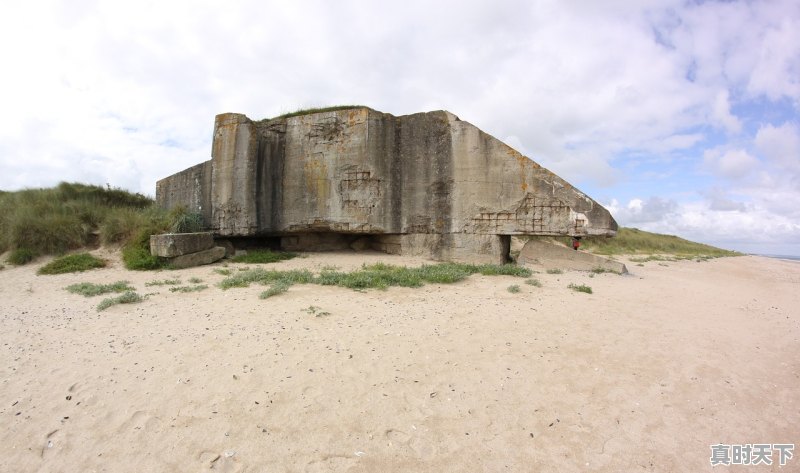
(732, 164)
(780, 145)
(721, 113)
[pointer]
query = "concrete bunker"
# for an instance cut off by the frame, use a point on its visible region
(427, 184)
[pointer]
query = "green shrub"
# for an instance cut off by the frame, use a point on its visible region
(263, 256)
(72, 264)
(514, 289)
(140, 259)
(21, 256)
(580, 288)
(88, 289)
(126, 298)
(554, 271)
(195, 280)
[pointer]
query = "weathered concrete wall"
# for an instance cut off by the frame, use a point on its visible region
(359, 171)
(190, 188)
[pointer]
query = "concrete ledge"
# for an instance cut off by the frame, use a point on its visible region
(170, 245)
(198, 259)
(543, 253)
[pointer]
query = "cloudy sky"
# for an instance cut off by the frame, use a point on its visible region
(680, 116)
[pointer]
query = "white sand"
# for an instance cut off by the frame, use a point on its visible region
(643, 375)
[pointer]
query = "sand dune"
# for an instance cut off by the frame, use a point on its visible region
(643, 375)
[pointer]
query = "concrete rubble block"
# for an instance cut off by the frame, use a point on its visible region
(169, 245)
(198, 259)
(549, 255)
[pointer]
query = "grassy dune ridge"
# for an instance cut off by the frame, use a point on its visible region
(71, 216)
(632, 241)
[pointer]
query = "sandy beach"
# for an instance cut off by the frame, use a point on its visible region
(645, 374)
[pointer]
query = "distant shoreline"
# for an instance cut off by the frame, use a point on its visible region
(783, 257)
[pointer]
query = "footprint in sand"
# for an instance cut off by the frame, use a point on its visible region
(421, 448)
(140, 420)
(330, 463)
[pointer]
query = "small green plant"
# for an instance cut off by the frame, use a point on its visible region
(195, 280)
(533, 282)
(316, 311)
(187, 222)
(88, 289)
(223, 271)
(279, 287)
(554, 271)
(195, 288)
(21, 256)
(126, 298)
(599, 270)
(263, 256)
(72, 264)
(513, 289)
(164, 282)
(580, 288)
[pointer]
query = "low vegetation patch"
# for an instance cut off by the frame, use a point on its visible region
(72, 264)
(126, 298)
(89, 289)
(533, 282)
(195, 280)
(554, 271)
(266, 277)
(278, 287)
(195, 288)
(163, 282)
(223, 271)
(376, 276)
(513, 289)
(21, 256)
(580, 288)
(263, 256)
(316, 311)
